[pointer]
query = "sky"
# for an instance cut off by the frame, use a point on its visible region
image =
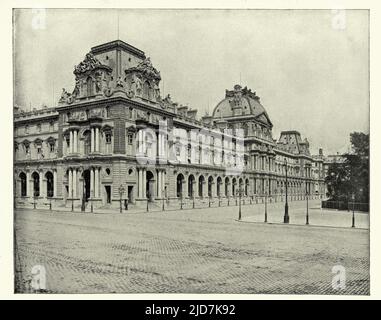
(309, 67)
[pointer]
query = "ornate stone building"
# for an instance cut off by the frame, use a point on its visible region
(115, 137)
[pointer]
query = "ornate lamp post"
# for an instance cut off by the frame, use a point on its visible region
(240, 192)
(353, 210)
(148, 197)
(83, 204)
(265, 207)
(34, 199)
(286, 218)
(121, 192)
(163, 201)
(91, 201)
(307, 217)
(72, 200)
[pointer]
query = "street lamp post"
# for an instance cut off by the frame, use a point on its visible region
(265, 207)
(240, 191)
(353, 210)
(121, 192)
(307, 216)
(34, 200)
(286, 218)
(83, 204)
(72, 200)
(91, 201)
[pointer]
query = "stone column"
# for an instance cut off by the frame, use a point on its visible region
(140, 179)
(144, 184)
(74, 182)
(54, 183)
(185, 188)
(70, 182)
(96, 180)
(163, 182)
(159, 184)
(75, 139)
(42, 180)
(71, 141)
(97, 139)
(28, 184)
(92, 140)
(91, 183)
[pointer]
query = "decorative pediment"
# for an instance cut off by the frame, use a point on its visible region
(51, 140)
(146, 70)
(90, 63)
(38, 142)
(107, 128)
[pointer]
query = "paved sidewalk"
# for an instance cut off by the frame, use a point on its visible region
(317, 216)
(188, 251)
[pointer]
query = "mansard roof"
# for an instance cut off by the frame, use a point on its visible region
(242, 98)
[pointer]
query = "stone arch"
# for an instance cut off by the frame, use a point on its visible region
(227, 182)
(191, 182)
(210, 186)
(234, 186)
(36, 183)
(23, 184)
(201, 182)
(150, 185)
(179, 185)
(219, 183)
(49, 184)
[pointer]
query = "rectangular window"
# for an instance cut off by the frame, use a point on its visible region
(108, 138)
(129, 138)
(52, 147)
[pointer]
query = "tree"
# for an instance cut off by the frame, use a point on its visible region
(351, 176)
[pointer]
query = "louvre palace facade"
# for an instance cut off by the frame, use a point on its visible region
(115, 137)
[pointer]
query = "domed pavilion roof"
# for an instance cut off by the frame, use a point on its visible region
(241, 98)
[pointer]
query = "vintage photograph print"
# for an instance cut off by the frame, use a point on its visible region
(191, 151)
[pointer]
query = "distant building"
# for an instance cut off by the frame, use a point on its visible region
(116, 130)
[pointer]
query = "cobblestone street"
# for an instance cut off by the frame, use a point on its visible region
(189, 251)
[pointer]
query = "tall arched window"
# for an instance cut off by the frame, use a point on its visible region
(89, 86)
(49, 184)
(146, 88)
(201, 181)
(87, 141)
(36, 184)
(179, 186)
(22, 177)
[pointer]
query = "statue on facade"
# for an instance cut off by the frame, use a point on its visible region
(64, 95)
(156, 90)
